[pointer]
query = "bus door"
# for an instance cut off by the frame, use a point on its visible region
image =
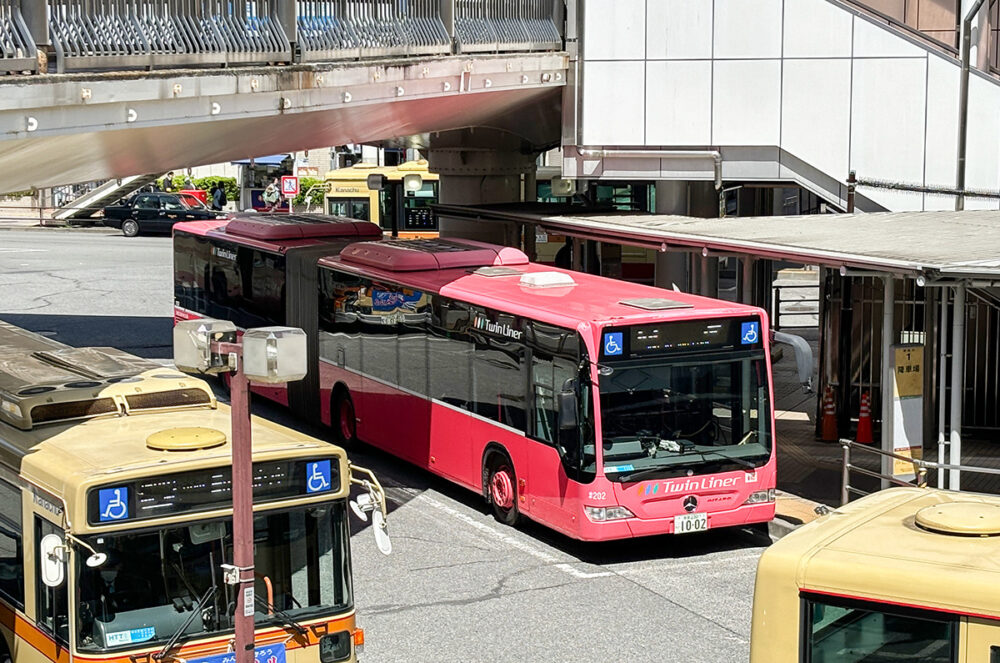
(49, 559)
(981, 641)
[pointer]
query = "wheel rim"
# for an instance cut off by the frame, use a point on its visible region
(130, 227)
(502, 488)
(346, 419)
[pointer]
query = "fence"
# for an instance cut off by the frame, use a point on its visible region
(147, 34)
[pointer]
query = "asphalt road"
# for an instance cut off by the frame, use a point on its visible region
(458, 586)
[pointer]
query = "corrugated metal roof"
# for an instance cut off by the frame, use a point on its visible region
(946, 243)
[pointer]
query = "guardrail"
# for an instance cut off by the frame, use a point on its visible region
(781, 306)
(920, 469)
(149, 34)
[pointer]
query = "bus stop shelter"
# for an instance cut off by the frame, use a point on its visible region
(888, 282)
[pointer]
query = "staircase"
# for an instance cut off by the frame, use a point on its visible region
(89, 204)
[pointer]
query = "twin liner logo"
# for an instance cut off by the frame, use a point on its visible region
(688, 485)
(499, 328)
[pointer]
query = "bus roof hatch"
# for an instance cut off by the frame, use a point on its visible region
(300, 226)
(402, 255)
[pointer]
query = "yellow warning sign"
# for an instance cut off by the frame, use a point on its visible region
(909, 371)
(901, 466)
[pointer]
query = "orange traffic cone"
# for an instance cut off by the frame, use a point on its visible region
(829, 416)
(864, 435)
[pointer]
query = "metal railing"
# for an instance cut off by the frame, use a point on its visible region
(797, 307)
(919, 465)
(17, 48)
(148, 34)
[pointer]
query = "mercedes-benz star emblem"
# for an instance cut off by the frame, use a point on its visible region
(690, 503)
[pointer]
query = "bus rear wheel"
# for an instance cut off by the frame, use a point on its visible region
(501, 489)
(345, 426)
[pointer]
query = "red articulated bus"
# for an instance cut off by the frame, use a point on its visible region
(600, 408)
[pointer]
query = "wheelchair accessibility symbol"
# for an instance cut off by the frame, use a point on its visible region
(113, 503)
(750, 333)
(613, 344)
(318, 476)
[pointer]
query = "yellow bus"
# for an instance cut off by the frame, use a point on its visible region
(116, 518)
(404, 203)
(905, 574)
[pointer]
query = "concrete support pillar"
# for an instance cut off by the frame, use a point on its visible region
(672, 268)
(703, 202)
(479, 166)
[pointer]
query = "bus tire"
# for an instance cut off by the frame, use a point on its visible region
(501, 488)
(130, 228)
(344, 419)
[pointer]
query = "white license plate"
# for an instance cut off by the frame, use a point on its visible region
(690, 522)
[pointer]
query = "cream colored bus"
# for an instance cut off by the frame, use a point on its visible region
(116, 519)
(906, 574)
(403, 204)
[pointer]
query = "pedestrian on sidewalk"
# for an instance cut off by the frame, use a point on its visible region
(168, 182)
(219, 197)
(271, 196)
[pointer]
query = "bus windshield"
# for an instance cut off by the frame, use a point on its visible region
(153, 580)
(703, 412)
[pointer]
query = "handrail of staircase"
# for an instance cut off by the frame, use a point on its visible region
(896, 23)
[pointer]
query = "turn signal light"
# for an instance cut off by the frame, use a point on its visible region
(359, 640)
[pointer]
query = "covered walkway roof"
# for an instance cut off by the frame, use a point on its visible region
(934, 244)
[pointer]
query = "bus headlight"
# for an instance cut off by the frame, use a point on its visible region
(600, 514)
(335, 647)
(761, 496)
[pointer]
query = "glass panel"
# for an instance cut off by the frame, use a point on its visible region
(704, 410)
(497, 376)
(50, 602)
(352, 208)
(152, 580)
(147, 202)
(191, 271)
(449, 350)
(848, 634)
(173, 204)
(11, 549)
(340, 338)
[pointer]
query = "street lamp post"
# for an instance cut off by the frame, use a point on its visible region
(267, 355)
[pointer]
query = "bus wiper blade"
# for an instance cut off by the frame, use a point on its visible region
(742, 462)
(284, 616)
(195, 612)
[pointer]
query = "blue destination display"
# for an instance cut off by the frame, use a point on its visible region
(209, 489)
(681, 337)
(265, 654)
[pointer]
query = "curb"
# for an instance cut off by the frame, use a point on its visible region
(36, 227)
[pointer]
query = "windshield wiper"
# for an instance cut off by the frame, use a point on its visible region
(742, 462)
(284, 616)
(195, 612)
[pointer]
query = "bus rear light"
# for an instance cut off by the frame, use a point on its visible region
(359, 640)
(601, 514)
(761, 496)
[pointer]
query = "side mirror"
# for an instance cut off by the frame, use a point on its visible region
(568, 406)
(52, 560)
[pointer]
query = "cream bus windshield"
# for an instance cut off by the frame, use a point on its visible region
(153, 580)
(710, 410)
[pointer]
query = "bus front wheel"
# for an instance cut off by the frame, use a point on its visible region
(344, 420)
(501, 489)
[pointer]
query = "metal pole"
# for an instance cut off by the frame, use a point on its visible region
(239, 400)
(747, 290)
(942, 388)
(957, 384)
(888, 306)
(852, 185)
(845, 479)
(963, 103)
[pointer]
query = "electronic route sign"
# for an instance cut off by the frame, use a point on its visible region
(681, 337)
(195, 491)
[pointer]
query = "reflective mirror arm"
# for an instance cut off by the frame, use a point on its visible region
(372, 485)
(96, 558)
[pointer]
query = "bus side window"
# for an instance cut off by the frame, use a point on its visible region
(51, 605)
(11, 549)
(497, 367)
(449, 353)
(339, 310)
(995, 654)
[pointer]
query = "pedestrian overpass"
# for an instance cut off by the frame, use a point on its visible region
(746, 91)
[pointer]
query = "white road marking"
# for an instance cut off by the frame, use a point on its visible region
(9, 250)
(526, 548)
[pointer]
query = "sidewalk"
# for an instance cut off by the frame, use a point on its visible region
(22, 223)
